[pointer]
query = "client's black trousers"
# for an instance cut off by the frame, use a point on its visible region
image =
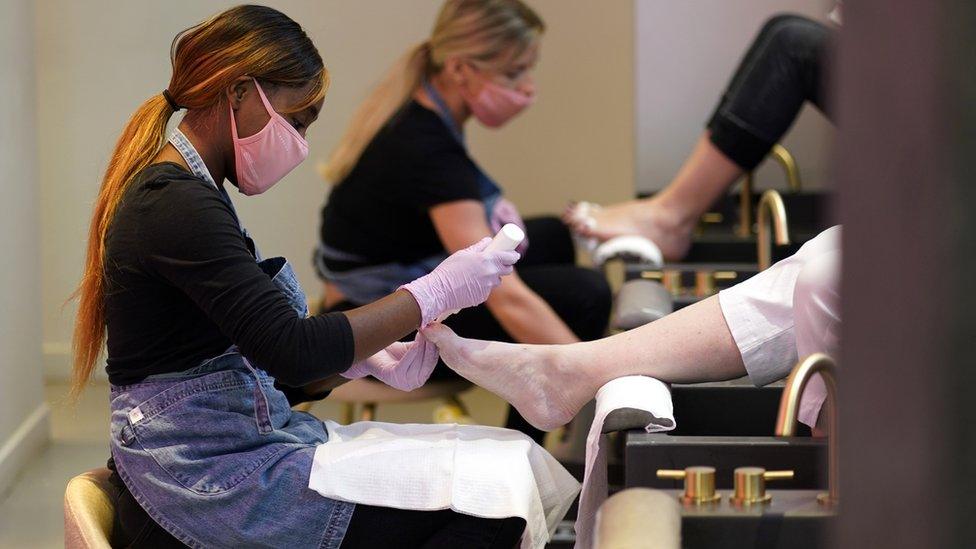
(784, 67)
(581, 297)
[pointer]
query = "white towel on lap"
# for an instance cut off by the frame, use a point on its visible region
(482, 471)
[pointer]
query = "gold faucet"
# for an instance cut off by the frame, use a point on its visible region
(788, 163)
(771, 210)
(789, 407)
(745, 207)
(785, 159)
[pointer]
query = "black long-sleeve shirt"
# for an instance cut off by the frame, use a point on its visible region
(182, 285)
(381, 210)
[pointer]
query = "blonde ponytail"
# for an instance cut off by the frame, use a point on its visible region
(387, 98)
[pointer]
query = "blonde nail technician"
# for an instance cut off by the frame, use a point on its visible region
(208, 346)
(408, 191)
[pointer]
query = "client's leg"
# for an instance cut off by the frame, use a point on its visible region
(784, 67)
(746, 329)
(581, 297)
(816, 315)
(548, 384)
(668, 218)
(550, 243)
(816, 305)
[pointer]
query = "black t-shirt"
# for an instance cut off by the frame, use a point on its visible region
(380, 210)
(182, 285)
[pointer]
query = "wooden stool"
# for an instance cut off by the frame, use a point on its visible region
(89, 511)
(371, 393)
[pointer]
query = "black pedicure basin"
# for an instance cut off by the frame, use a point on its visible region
(791, 520)
(731, 248)
(724, 425)
(689, 283)
(807, 212)
(718, 238)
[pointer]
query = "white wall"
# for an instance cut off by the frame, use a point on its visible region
(98, 59)
(23, 414)
(576, 142)
(686, 53)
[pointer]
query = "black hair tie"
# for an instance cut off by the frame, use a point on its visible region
(172, 103)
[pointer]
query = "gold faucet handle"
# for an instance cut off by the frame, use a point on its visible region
(673, 474)
(750, 484)
(777, 475)
(704, 283)
(653, 275)
(671, 278)
(699, 483)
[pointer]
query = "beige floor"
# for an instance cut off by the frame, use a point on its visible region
(31, 513)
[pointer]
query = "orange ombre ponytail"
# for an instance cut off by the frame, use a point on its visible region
(243, 41)
(142, 138)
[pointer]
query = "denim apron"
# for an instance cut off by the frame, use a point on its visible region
(215, 454)
(367, 284)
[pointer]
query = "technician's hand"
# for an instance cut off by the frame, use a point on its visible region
(506, 212)
(462, 280)
(403, 366)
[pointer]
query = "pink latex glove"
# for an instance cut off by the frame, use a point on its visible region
(462, 280)
(506, 212)
(403, 366)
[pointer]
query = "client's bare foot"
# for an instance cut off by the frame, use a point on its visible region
(533, 378)
(636, 217)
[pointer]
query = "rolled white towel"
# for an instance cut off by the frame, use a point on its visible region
(629, 248)
(623, 402)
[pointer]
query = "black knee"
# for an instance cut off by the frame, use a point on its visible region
(792, 34)
(581, 297)
(780, 22)
(550, 242)
(592, 303)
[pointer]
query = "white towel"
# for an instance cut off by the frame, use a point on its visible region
(629, 247)
(482, 471)
(635, 392)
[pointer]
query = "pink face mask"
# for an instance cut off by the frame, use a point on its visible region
(495, 104)
(264, 158)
